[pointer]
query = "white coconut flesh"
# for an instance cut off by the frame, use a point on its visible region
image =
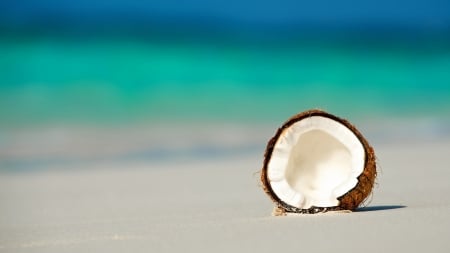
(314, 162)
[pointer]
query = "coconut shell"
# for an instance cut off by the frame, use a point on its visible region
(350, 200)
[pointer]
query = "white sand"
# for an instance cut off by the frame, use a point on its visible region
(216, 205)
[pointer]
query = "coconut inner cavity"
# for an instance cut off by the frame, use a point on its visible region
(315, 161)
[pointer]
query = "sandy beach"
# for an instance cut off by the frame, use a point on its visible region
(215, 204)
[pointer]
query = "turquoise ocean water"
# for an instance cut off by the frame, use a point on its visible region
(62, 98)
(122, 81)
(109, 81)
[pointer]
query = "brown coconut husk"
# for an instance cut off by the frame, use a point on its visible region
(349, 201)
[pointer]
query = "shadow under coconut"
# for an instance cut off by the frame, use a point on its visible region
(378, 208)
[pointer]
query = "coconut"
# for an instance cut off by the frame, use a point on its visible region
(317, 162)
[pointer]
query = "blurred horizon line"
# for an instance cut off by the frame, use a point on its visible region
(281, 35)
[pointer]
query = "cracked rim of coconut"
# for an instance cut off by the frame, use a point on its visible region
(316, 163)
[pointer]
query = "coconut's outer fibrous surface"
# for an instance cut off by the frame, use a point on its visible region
(349, 200)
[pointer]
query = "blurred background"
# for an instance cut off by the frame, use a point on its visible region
(105, 80)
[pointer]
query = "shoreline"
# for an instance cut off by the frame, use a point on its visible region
(52, 145)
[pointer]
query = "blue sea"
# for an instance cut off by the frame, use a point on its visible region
(47, 80)
(70, 100)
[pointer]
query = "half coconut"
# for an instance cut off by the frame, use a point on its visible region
(317, 162)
